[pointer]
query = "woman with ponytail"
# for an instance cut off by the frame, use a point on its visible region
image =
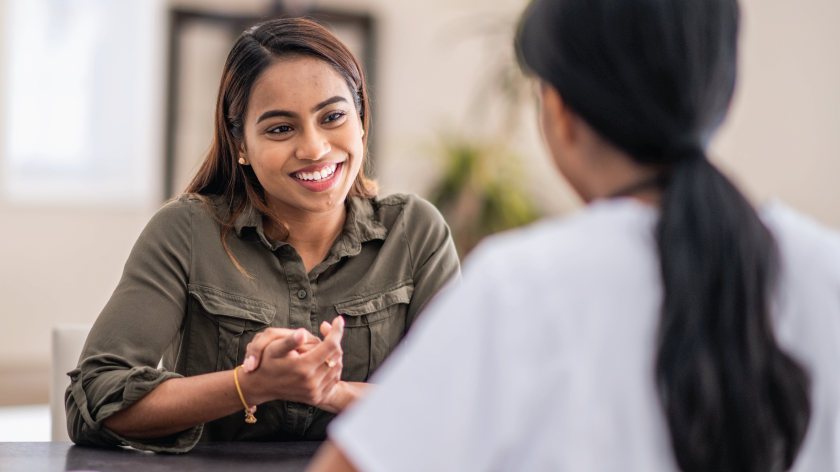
(666, 327)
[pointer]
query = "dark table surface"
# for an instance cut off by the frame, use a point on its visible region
(207, 456)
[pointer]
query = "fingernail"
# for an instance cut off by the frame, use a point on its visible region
(250, 363)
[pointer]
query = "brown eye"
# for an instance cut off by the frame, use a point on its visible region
(280, 129)
(333, 116)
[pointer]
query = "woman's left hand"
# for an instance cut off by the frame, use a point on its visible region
(343, 392)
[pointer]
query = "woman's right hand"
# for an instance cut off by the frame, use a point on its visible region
(294, 368)
(254, 350)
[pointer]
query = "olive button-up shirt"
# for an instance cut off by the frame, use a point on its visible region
(183, 303)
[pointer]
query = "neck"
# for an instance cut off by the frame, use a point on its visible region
(311, 234)
(613, 173)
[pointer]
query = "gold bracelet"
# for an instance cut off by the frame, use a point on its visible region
(249, 410)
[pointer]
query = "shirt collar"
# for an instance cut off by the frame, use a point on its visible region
(360, 226)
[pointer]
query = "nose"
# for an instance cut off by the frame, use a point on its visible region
(312, 145)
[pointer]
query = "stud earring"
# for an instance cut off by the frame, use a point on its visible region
(363, 132)
(242, 160)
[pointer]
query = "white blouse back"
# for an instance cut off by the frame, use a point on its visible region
(544, 358)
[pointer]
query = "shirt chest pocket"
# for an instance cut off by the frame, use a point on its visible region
(221, 325)
(374, 325)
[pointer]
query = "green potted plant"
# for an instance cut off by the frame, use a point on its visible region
(480, 190)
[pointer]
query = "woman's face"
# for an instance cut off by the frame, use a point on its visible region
(303, 136)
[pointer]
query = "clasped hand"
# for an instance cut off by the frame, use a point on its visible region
(294, 365)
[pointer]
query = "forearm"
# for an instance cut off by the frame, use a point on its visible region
(182, 403)
(179, 404)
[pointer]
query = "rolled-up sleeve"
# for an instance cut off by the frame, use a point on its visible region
(118, 365)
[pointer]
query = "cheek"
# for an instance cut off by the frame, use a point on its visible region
(260, 163)
(268, 160)
(356, 150)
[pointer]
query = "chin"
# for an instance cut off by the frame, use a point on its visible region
(325, 208)
(324, 203)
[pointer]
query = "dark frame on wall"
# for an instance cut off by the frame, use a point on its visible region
(178, 18)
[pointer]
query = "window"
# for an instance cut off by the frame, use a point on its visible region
(84, 95)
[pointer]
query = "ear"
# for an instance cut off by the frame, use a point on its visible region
(556, 114)
(241, 150)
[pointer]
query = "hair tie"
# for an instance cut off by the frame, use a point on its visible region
(684, 148)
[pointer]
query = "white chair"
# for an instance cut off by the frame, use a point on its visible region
(67, 343)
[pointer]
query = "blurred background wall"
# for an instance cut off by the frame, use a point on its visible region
(60, 259)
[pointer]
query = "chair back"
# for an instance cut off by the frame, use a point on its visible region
(67, 343)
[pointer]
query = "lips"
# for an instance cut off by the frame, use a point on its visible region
(316, 173)
(318, 178)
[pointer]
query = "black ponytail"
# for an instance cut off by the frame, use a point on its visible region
(734, 401)
(655, 77)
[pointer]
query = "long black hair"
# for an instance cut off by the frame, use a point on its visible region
(655, 78)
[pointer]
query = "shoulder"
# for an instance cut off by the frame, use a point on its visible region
(412, 210)
(418, 228)
(805, 245)
(602, 238)
(183, 214)
(192, 206)
(413, 218)
(798, 229)
(175, 213)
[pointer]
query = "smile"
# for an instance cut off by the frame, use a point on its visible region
(319, 178)
(318, 175)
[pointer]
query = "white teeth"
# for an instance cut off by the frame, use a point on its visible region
(323, 174)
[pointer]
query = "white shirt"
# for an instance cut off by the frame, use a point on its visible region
(544, 358)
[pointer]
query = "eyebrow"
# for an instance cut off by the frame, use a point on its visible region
(328, 102)
(291, 114)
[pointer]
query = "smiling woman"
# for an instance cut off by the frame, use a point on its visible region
(278, 279)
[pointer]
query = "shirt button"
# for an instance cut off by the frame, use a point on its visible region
(301, 293)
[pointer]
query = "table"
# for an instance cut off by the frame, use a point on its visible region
(207, 456)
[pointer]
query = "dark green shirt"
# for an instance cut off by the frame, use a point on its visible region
(181, 300)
